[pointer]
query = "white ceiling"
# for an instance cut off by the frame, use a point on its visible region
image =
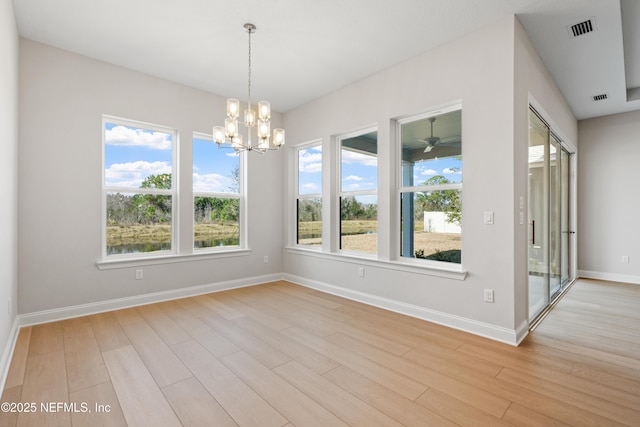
(304, 49)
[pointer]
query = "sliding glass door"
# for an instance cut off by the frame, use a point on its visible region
(549, 242)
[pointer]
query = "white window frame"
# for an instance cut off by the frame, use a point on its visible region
(242, 221)
(297, 196)
(173, 192)
(420, 188)
(341, 194)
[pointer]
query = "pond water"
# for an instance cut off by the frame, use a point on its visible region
(132, 248)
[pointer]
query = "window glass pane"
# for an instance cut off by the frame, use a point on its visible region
(432, 150)
(138, 223)
(133, 156)
(216, 222)
(359, 163)
(433, 231)
(359, 223)
(310, 221)
(214, 170)
(310, 170)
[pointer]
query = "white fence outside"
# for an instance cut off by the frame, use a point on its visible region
(436, 222)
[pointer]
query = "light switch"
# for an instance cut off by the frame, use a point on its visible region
(488, 217)
(521, 218)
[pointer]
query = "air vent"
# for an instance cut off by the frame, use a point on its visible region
(583, 28)
(600, 97)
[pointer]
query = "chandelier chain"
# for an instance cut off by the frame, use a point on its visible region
(249, 72)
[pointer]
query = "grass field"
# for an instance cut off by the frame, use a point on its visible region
(124, 235)
(358, 236)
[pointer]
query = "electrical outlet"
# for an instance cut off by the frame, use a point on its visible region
(139, 274)
(625, 259)
(361, 271)
(488, 295)
(266, 259)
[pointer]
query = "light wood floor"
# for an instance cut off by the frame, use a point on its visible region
(284, 355)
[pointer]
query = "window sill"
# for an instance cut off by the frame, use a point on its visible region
(419, 267)
(112, 264)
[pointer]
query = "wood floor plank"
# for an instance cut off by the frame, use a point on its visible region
(46, 338)
(296, 406)
(340, 402)
(244, 405)
(142, 402)
(162, 363)
(15, 376)
(465, 392)
(402, 384)
(198, 330)
(304, 355)
(10, 395)
(83, 359)
(45, 380)
(164, 326)
(103, 404)
(255, 346)
(458, 411)
(602, 407)
(108, 332)
(219, 307)
(398, 407)
(525, 417)
(195, 406)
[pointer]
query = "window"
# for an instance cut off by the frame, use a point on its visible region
(309, 196)
(216, 195)
(358, 192)
(431, 186)
(139, 188)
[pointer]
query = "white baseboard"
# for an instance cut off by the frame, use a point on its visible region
(7, 354)
(505, 335)
(612, 277)
(133, 301)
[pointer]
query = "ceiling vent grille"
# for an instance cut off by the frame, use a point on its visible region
(583, 28)
(600, 97)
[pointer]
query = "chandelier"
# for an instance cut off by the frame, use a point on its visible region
(228, 135)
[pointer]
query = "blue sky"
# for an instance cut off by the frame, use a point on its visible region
(132, 154)
(212, 167)
(359, 171)
(449, 167)
(310, 170)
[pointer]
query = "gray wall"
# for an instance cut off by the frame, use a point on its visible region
(480, 70)
(62, 99)
(609, 197)
(8, 170)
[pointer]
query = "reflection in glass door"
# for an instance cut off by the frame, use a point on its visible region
(549, 239)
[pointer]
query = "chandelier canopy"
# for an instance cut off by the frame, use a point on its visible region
(228, 135)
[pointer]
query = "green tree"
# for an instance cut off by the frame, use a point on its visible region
(447, 201)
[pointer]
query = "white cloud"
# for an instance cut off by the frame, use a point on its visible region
(428, 172)
(355, 157)
(131, 174)
(452, 171)
(125, 136)
(211, 182)
(311, 187)
(353, 178)
(310, 162)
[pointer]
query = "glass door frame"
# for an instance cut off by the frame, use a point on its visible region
(551, 261)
